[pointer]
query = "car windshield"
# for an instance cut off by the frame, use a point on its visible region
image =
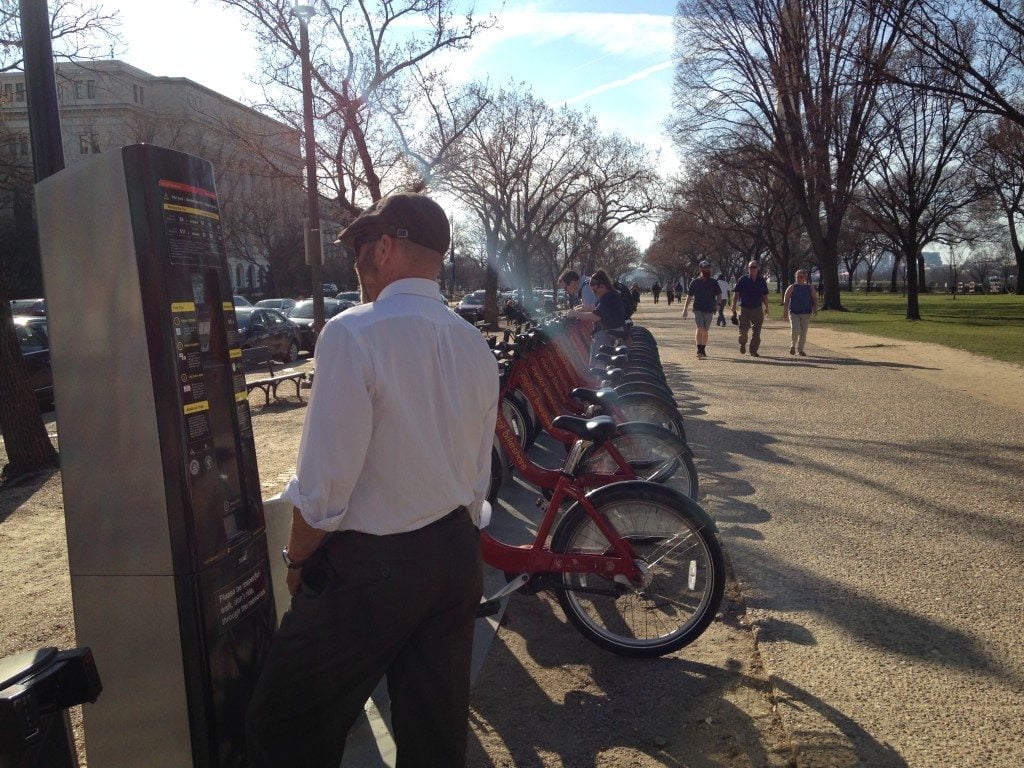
(472, 298)
(272, 303)
(304, 309)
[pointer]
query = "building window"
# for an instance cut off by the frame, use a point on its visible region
(90, 88)
(251, 281)
(88, 144)
(135, 92)
(78, 88)
(238, 275)
(20, 91)
(8, 94)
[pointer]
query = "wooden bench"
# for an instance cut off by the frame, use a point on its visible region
(272, 375)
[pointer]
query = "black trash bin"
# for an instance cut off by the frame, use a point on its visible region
(36, 689)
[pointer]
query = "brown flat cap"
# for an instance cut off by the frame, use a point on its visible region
(410, 216)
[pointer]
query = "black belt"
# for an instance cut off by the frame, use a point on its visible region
(448, 518)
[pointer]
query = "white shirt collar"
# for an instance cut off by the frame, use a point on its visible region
(416, 286)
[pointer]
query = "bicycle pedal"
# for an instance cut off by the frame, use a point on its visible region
(541, 503)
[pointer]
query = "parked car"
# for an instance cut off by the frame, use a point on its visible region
(35, 349)
(34, 307)
(302, 316)
(241, 301)
(354, 296)
(284, 306)
(472, 306)
(262, 330)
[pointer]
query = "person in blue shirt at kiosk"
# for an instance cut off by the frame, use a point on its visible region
(751, 293)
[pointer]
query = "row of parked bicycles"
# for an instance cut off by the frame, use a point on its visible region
(633, 559)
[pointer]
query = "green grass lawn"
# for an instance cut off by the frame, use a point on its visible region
(984, 324)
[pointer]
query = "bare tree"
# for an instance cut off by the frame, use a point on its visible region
(521, 168)
(999, 160)
(373, 87)
(76, 29)
(79, 30)
(919, 180)
(804, 73)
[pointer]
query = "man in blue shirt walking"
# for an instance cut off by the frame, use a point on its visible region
(751, 293)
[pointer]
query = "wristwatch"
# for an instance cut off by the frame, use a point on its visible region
(291, 564)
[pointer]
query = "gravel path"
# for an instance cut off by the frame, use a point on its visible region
(869, 498)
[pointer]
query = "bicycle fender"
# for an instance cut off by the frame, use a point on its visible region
(671, 495)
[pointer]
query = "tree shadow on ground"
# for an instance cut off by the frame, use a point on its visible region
(668, 711)
(19, 490)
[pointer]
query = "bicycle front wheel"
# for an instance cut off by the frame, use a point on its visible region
(652, 452)
(678, 553)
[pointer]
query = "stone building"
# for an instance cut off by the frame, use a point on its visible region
(108, 104)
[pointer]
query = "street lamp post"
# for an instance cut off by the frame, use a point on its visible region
(304, 14)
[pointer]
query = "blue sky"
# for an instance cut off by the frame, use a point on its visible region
(611, 57)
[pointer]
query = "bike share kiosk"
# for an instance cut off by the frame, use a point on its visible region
(166, 538)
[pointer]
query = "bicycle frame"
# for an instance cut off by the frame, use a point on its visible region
(538, 558)
(549, 479)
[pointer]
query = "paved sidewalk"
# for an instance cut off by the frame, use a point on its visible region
(869, 498)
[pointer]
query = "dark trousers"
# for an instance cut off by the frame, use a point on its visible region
(751, 319)
(403, 606)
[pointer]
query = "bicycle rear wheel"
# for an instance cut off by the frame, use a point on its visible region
(678, 552)
(653, 452)
(638, 406)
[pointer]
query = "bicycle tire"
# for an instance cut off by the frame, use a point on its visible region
(655, 454)
(517, 413)
(637, 406)
(677, 546)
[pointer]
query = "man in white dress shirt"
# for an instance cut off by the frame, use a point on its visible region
(393, 470)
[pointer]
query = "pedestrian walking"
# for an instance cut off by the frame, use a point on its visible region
(670, 294)
(751, 293)
(723, 299)
(393, 469)
(635, 290)
(704, 293)
(679, 290)
(656, 291)
(799, 304)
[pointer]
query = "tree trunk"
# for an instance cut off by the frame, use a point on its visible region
(895, 273)
(28, 446)
(922, 282)
(913, 307)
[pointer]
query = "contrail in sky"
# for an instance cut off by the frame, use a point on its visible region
(624, 81)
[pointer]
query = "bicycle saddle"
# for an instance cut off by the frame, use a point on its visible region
(603, 396)
(597, 428)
